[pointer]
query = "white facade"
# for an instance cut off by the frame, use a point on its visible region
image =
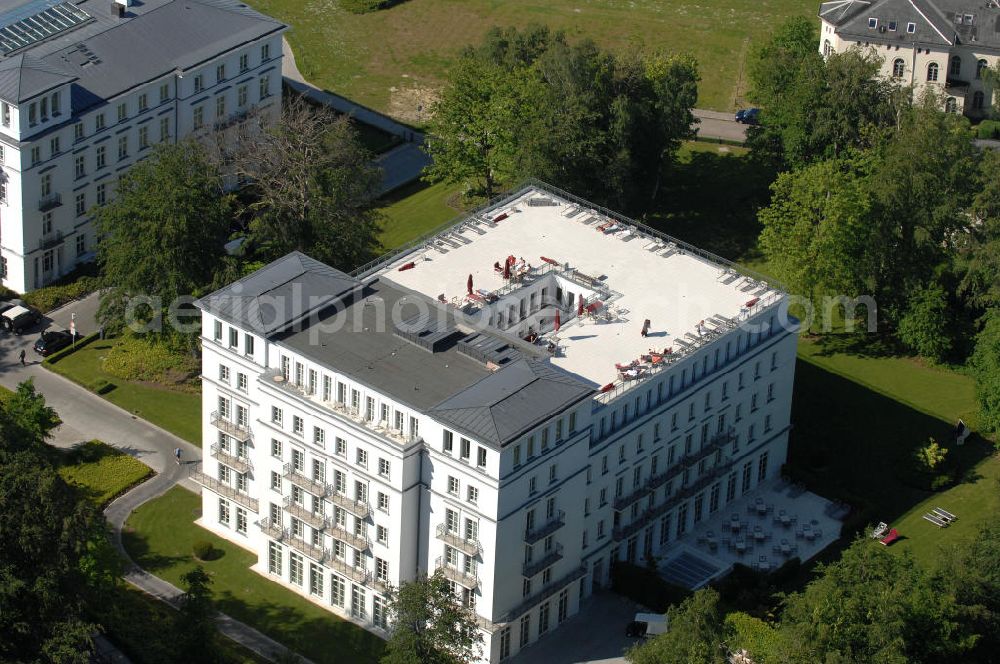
(342, 489)
(63, 149)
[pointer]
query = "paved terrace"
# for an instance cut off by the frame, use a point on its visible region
(626, 275)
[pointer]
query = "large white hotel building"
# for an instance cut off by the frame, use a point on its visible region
(87, 88)
(363, 430)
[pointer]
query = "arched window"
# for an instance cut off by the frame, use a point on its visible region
(932, 71)
(827, 48)
(898, 68)
(978, 99)
(950, 105)
(956, 66)
(980, 66)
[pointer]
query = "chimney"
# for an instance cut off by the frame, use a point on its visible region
(117, 9)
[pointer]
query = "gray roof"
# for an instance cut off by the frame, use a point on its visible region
(935, 21)
(509, 403)
(356, 340)
(279, 294)
(23, 76)
(109, 55)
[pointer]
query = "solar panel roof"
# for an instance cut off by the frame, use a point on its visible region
(36, 21)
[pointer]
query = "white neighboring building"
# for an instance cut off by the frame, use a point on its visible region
(87, 88)
(362, 431)
(944, 45)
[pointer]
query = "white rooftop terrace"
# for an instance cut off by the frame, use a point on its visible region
(635, 273)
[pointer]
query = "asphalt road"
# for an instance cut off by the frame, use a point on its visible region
(713, 124)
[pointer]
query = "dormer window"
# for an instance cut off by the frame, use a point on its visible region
(911, 28)
(872, 23)
(5, 113)
(892, 26)
(967, 19)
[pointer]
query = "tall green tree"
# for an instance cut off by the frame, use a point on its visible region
(163, 233)
(813, 107)
(27, 421)
(978, 259)
(817, 230)
(694, 634)
(974, 576)
(985, 363)
(873, 606)
(196, 627)
(430, 625)
(312, 189)
(530, 103)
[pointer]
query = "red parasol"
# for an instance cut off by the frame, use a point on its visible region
(557, 323)
(550, 261)
(468, 284)
(408, 266)
(506, 270)
(579, 308)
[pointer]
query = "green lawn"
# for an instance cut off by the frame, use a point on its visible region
(415, 209)
(103, 472)
(159, 536)
(177, 411)
(393, 60)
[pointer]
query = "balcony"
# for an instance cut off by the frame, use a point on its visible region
(272, 529)
(470, 581)
(312, 550)
(358, 508)
(237, 431)
(50, 202)
(469, 547)
(359, 542)
(295, 476)
(382, 585)
(50, 240)
(312, 519)
(550, 558)
(621, 502)
(240, 464)
(230, 492)
(350, 414)
(356, 574)
(547, 591)
(546, 529)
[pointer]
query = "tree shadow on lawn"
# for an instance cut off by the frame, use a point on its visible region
(853, 444)
(711, 201)
(324, 639)
(138, 549)
(859, 344)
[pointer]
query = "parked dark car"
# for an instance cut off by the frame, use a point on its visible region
(51, 342)
(10, 304)
(747, 116)
(19, 318)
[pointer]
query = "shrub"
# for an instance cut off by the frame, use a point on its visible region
(72, 287)
(141, 359)
(364, 6)
(203, 550)
(988, 129)
(924, 328)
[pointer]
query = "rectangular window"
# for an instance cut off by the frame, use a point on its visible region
(81, 244)
(265, 52)
(453, 485)
(122, 147)
(164, 129)
(199, 83)
(383, 467)
(122, 112)
(143, 102)
(80, 166)
(473, 494)
(102, 156)
(143, 137)
(220, 106)
(244, 62)
(465, 448)
(448, 441)
(241, 96)
(274, 556)
(199, 116)
(54, 145)
(223, 511)
(481, 457)
(164, 92)
(297, 424)
(220, 73)
(295, 568)
(276, 448)
(265, 86)
(337, 588)
(241, 382)
(362, 458)
(81, 204)
(315, 580)
(99, 122)
(241, 521)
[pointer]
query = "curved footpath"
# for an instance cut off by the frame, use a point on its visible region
(85, 416)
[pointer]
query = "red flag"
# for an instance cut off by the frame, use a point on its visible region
(557, 322)
(468, 284)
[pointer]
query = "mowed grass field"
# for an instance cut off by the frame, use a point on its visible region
(393, 59)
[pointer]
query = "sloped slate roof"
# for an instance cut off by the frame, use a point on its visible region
(23, 76)
(510, 402)
(934, 21)
(278, 294)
